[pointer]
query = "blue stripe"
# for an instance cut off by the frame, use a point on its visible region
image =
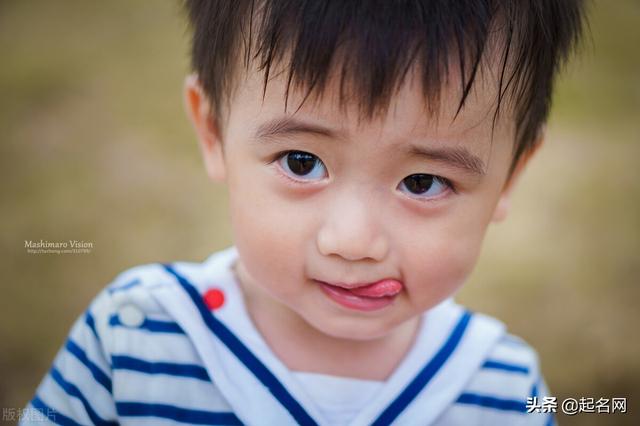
(534, 389)
(161, 326)
(499, 365)
(243, 354)
(492, 402)
(426, 374)
(139, 409)
(96, 372)
(122, 362)
(88, 319)
(52, 414)
(130, 284)
(72, 390)
(155, 326)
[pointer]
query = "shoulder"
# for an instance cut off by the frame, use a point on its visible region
(128, 304)
(137, 282)
(127, 347)
(500, 391)
(511, 364)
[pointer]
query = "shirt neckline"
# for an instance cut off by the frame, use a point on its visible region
(450, 346)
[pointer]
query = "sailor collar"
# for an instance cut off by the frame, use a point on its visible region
(450, 347)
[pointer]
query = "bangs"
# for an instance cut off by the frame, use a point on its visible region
(371, 46)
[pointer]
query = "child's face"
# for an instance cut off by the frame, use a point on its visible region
(357, 203)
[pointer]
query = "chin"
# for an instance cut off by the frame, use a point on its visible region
(361, 329)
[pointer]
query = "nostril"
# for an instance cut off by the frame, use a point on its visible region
(352, 246)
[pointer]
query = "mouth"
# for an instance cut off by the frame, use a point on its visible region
(365, 296)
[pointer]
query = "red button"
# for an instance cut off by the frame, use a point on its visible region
(214, 298)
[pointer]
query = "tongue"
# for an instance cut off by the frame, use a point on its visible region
(379, 289)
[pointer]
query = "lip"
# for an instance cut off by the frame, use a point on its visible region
(365, 296)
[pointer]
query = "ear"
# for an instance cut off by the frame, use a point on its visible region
(204, 122)
(504, 202)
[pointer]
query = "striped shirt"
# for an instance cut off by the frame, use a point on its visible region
(173, 344)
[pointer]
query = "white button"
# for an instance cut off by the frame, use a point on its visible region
(130, 315)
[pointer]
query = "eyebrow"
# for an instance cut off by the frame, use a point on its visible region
(459, 158)
(287, 126)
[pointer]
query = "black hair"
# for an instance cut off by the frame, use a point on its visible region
(376, 43)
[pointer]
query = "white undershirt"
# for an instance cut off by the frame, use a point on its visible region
(339, 399)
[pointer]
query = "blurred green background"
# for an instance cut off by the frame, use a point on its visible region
(96, 147)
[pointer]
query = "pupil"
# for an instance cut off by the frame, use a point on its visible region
(301, 163)
(418, 184)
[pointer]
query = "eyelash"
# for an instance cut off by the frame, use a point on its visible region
(275, 161)
(449, 186)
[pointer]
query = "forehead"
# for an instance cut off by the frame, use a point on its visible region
(408, 116)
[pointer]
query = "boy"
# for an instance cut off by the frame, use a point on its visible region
(366, 147)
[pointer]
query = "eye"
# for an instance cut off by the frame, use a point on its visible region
(302, 165)
(424, 185)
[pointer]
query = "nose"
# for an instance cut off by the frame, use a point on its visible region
(350, 230)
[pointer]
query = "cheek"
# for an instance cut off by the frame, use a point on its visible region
(258, 235)
(447, 255)
(270, 243)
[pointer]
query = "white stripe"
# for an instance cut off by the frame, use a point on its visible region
(155, 347)
(501, 384)
(33, 416)
(74, 371)
(55, 397)
(471, 415)
(147, 421)
(185, 392)
(511, 354)
(83, 337)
